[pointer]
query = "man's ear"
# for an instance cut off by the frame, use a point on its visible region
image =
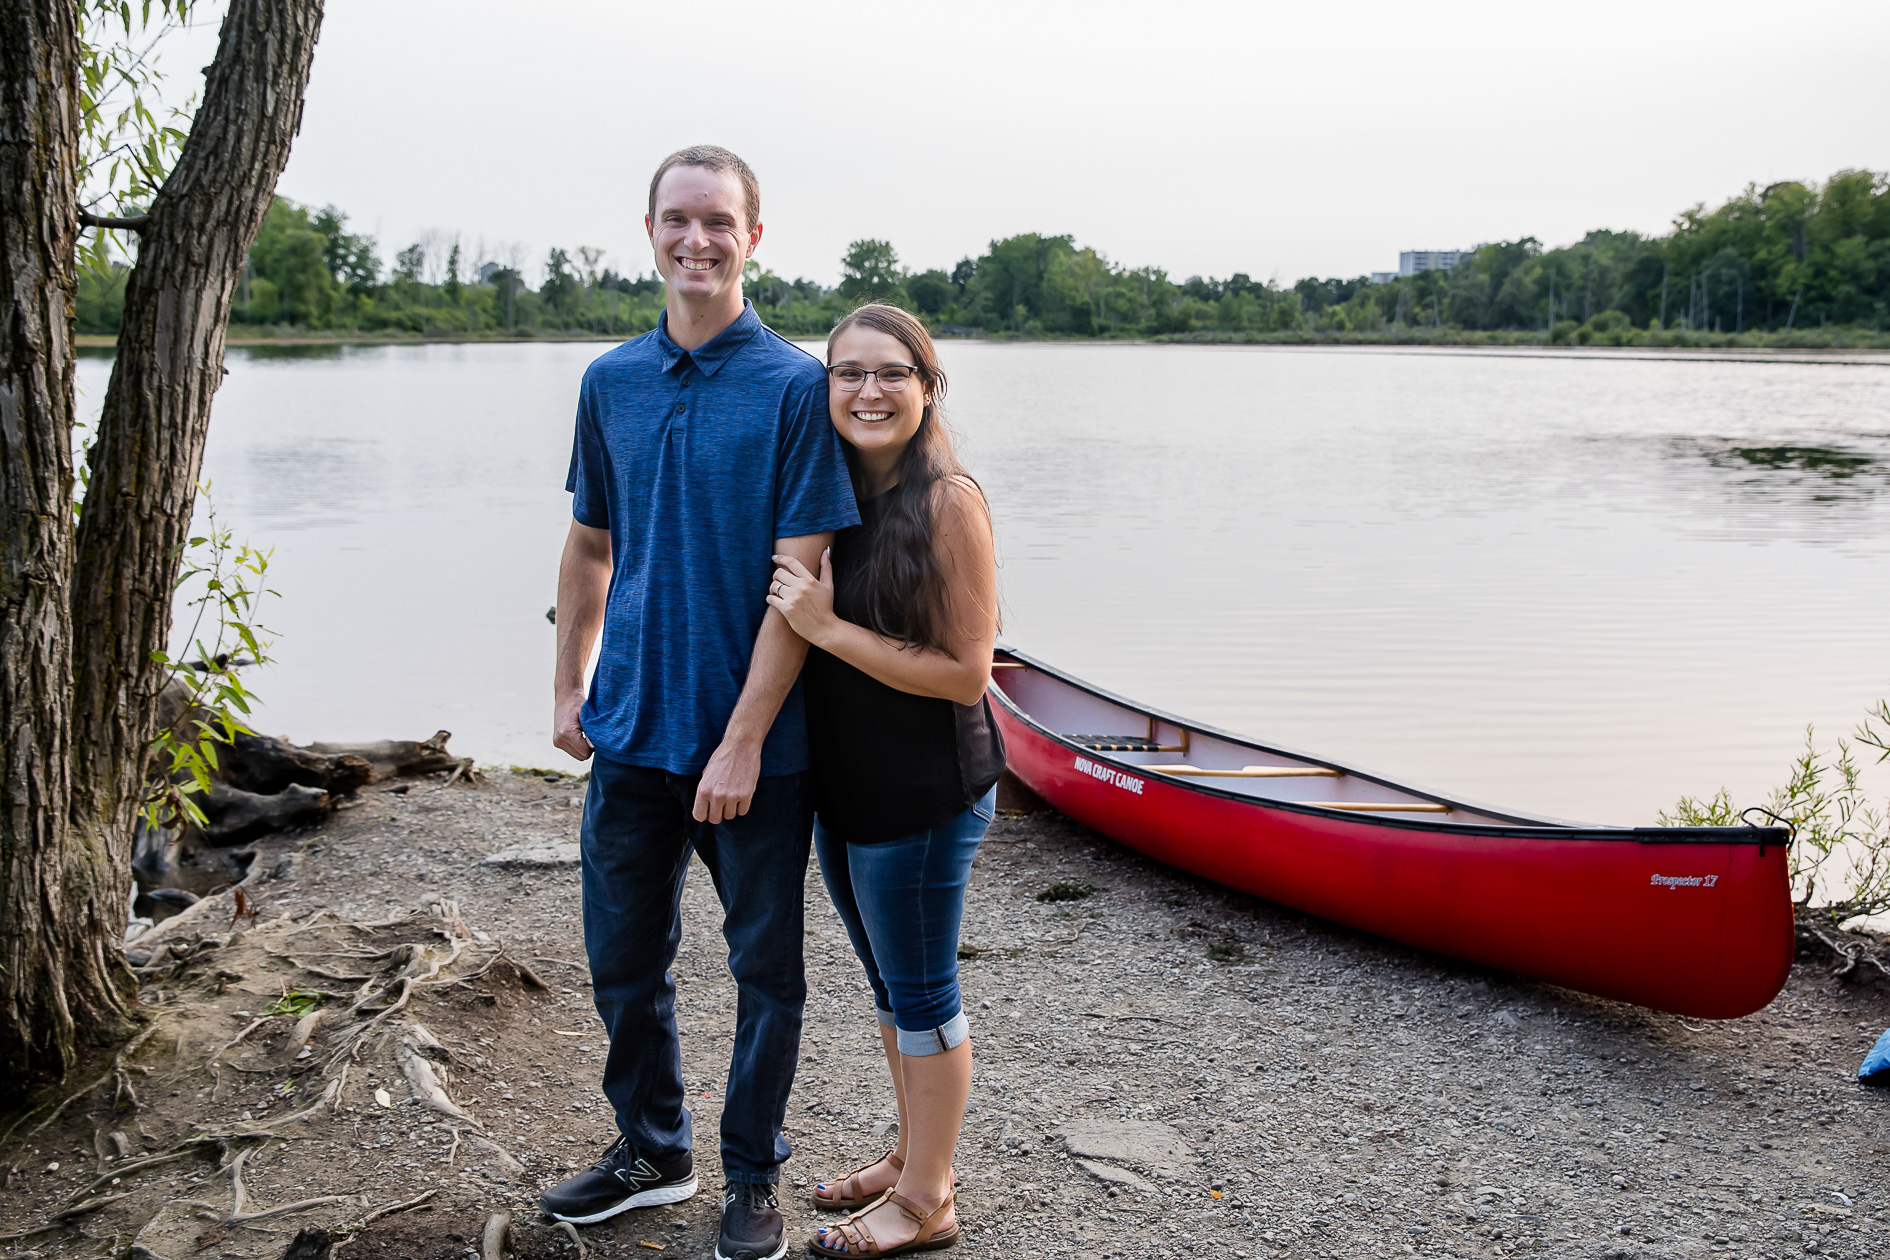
(754, 242)
(649, 229)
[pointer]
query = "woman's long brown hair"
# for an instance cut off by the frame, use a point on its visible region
(902, 583)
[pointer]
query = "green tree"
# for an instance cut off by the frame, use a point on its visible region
(869, 272)
(931, 292)
(560, 287)
(292, 255)
(409, 262)
(351, 259)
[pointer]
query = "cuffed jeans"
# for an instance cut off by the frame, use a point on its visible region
(637, 836)
(902, 902)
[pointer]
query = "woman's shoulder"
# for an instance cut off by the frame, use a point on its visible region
(957, 495)
(959, 512)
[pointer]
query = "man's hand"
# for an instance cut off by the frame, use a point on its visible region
(727, 786)
(567, 733)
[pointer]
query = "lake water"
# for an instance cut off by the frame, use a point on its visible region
(1580, 585)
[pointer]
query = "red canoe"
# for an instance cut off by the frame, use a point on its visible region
(1693, 920)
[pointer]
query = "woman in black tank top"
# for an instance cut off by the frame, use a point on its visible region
(900, 621)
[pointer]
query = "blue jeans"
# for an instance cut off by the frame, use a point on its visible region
(902, 902)
(636, 840)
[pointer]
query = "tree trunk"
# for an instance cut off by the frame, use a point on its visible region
(49, 981)
(75, 747)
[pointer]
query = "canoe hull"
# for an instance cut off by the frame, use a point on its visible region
(1698, 929)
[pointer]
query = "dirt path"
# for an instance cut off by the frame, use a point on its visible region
(1163, 1066)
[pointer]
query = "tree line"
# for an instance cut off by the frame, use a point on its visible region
(1792, 262)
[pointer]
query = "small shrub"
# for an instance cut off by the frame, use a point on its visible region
(1840, 854)
(1229, 952)
(1063, 891)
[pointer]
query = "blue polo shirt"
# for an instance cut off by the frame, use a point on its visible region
(696, 461)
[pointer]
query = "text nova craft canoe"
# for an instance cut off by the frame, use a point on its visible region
(1693, 920)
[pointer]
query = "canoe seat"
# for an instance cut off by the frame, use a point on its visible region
(1122, 743)
(1381, 807)
(1251, 772)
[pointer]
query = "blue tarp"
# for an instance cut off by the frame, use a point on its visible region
(1876, 1068)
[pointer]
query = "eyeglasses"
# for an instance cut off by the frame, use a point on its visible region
(892, 378)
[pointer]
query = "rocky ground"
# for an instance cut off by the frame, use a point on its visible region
(1164, 1067)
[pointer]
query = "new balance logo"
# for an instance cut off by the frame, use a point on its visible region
(640, 1171)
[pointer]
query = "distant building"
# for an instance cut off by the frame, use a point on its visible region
(1412, 261)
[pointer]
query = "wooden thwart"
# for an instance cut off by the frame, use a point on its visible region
(1381, 807)
(1251, 772)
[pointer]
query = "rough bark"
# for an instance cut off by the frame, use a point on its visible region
(42, 989)
(78, 684)
(145, 465)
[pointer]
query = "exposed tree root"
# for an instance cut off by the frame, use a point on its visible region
(492, 1242)
(117, 1073)
(125, 1170)
(1851, 950)
(494, 1151)
(392, 1208)
(371, 1021)
(424, 1081)
(59, 1218)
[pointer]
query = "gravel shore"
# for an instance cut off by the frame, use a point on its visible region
(1163, 1067)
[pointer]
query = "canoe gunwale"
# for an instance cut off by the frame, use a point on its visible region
(1520, 826)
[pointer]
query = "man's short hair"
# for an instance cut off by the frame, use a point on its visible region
(712, 157)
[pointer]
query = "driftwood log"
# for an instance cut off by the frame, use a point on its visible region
(264, 784)
(389, 758)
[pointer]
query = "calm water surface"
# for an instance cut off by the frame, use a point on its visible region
(1574, 585)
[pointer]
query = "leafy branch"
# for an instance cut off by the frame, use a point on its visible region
(213, 703)
(1840, 855)
(128, 137)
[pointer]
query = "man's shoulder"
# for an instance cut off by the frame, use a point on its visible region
(636, 355)
(773, 356)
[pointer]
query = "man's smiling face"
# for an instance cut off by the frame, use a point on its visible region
(701, 234)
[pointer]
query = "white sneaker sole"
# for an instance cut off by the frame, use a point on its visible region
(776, 1254)
(656, 1197)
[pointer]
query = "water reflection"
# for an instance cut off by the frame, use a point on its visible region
(296, 353)
(293, 485)
(1811, 479)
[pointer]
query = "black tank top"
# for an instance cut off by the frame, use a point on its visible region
(888, 763)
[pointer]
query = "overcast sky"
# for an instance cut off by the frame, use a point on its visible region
(1276, 139)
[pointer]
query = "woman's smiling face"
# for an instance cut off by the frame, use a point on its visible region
(876, 420)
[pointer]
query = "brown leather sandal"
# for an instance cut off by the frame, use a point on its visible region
(854, 1239)
(849, 1194)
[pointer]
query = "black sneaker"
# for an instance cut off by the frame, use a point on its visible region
(621, 1179)
(752, 1228)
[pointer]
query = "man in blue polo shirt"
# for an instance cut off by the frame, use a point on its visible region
(703, 449)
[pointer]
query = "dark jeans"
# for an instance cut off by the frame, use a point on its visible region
(636, 842)
(902, 902)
